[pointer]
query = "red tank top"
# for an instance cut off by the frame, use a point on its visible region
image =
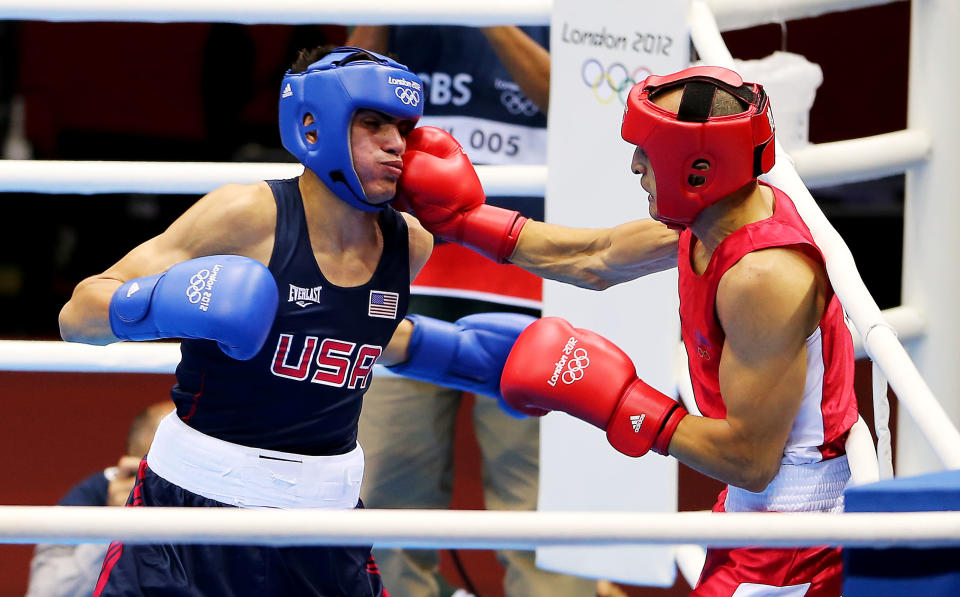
(829, 406)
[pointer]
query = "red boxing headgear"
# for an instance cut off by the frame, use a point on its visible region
(699, 159)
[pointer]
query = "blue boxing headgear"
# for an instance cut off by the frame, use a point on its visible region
(332, 90)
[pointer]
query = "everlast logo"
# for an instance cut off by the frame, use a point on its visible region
(403, 82)
(304, 296)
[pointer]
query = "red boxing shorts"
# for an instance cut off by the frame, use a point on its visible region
(768, 572)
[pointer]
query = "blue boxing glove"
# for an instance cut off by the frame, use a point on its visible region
(466, 355)
(227, 298)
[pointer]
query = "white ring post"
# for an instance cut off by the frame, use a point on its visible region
(931, 243)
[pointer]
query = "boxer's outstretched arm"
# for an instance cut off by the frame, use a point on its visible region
(441, 186)
(468, 354)
(768, 305)
(596, 258)
(234, 219)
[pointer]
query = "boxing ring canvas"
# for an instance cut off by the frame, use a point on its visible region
(598, 51)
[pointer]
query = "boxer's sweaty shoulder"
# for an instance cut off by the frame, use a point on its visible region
(237, 219)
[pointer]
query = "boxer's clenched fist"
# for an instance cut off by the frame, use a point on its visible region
(441, 187)
(555, 366)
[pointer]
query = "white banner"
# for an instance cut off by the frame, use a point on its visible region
(492, 142)
(599, 49)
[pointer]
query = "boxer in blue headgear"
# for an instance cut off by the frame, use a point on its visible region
(331, 90)
(285, 294)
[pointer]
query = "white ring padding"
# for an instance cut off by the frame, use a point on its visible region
(737, 14)
(474, 529)
(731, 14)
(881, 345)
(90, 177)
(690, 561)
(866, 158)
(881, 422)
(907, 323)
(862, 456)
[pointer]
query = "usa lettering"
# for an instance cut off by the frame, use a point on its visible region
(332, 362)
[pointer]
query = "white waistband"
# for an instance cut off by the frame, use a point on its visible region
(251, 477)
(813, 487)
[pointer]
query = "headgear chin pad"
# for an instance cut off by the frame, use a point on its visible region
(699, 159)
(331, 90)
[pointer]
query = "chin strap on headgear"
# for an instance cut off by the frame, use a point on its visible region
(699, 159)
(331, 90)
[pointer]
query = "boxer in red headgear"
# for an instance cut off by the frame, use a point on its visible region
(770, 357)
(700, 158)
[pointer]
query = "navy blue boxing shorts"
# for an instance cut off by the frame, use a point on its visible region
(231, 570)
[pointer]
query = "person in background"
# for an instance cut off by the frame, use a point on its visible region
(71, 570)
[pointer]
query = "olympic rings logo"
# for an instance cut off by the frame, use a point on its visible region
(575, 366)
(611, 82)
(517, 103)
(198, 282)
(410, 97)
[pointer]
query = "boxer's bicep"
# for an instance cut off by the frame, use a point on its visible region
(234, 219)
(85, 317)
(765, 308)
(397, 350)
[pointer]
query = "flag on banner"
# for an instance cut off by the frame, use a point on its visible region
(383, 304)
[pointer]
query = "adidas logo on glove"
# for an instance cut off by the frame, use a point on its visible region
(637, 422)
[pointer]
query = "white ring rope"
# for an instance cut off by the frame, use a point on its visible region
(94, 177)
(162, 357)
(478, 529)
(881, 345)
(731, 14)
(291, 12)
(856, 160)
(819, 165)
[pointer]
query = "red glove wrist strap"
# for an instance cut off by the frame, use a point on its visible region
(662, 443)
(492, 231)
(644, 419)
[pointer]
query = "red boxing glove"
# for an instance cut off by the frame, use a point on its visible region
(441, 187)
(555, 366)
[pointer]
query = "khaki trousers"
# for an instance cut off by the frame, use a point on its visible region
(406, 430)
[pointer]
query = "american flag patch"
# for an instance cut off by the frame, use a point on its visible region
(383, 304)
